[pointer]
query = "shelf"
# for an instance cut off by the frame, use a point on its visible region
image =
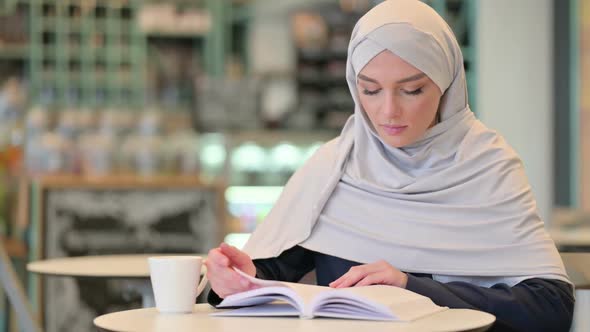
(174, 34)
(330, 106)
(274, 136)
(14, 52)
(122, 181)
(252, 194)
(322, 81)
(99, 41)
(321, 55)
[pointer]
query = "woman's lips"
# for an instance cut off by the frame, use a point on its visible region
(393, 130)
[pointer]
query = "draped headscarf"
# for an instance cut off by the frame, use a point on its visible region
(456, 203)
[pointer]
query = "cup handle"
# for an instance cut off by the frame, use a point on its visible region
(202, 284)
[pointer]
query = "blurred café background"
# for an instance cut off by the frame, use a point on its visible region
(167, 126)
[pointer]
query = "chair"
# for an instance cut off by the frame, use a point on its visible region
(577, 265)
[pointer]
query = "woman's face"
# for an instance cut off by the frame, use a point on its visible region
(400, 100)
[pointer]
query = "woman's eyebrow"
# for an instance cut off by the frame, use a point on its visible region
(403, 80)
(411, 78)
(365, 78)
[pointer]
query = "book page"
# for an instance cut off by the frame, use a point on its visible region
(268, 309)
(259, 282)
(263, 295)
(299, 295)
(305, 292)
(376, 301)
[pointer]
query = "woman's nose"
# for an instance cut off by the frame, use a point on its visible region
(391, 108)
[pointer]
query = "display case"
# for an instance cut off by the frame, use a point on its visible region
(259, 164)
(99, 53)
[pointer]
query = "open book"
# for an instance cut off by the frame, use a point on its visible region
(375, 302)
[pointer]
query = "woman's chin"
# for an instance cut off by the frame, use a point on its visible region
(395, 142)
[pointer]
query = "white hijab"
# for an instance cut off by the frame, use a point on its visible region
(456, 203)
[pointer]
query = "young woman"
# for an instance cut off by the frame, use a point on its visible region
(414, 193)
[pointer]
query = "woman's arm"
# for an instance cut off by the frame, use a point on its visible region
(532, 305)
(291, 265)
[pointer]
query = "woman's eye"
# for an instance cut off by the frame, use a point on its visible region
(413, 92)
(371, 92)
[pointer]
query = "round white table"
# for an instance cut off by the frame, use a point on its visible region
(150, 320)
(128, 266)
(133, 267)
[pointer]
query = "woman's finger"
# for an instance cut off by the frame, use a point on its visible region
(238, 258)
(225, 281)
(216, 257)
(378, 278)
(224, 273)
(355, 274)
(235, 255)
(351, 277)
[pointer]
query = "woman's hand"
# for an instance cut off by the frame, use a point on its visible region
(380, 273)
(220, 263)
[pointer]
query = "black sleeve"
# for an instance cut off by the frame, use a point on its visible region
(532, 305)
(291, 265)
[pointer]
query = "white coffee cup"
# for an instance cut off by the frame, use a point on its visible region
(174, 282)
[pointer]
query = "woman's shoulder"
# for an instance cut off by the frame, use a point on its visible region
(326, 152)
(481, 139)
